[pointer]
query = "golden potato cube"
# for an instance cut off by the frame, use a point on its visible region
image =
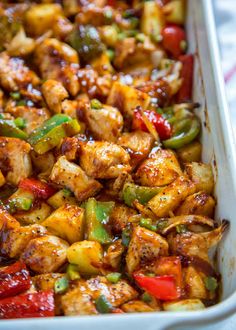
(35, 215)
(152, 20)
(87, 255)
(66, 222)
(60, 198)
(46, 281)
(202, 175)
(40, 18)
(190, 153)
(171, 196)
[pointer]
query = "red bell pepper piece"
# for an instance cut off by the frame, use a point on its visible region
(161, 287)
(38, 304)
(185, 91)
(14, 279)
(168, 282)
(161, 125)
(174, 39)
(40, 189)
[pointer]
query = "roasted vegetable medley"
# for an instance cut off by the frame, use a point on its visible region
(106, 206)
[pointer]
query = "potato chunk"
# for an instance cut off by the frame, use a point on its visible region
(160, 169)
(105, 123)
(15, 161)
(194, 284)
(198, 203)
(66, 222)
(38, 213)
(40, 18)
(46, 281)
(183, 305)
(45, 254)
(127, 98)
(145, 245)
(87, 255)
(73, 177)
(138, 144)
(202, 175)
(136, 306)
(171, 196)
(15, 240)
(103, 160)
(190, 153)
(152, 20)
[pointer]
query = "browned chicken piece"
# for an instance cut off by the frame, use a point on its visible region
(194, 283)
(46, 281)
(103, 160)
(58, 61)
(38, 213)
(7, 222)
(54, 93)
(15, 162)
(171, 196)
(70, 148)
(124, 49)
(144, 247)
(43, 163)
(76, 302)
(45, 254)
(127, 98)
(66, 222)
(70, 108)
(201, 174)
(136, 306)
(15, 240)
(160, 169)
(105, 123)
(198, 203)
(73, 177)
(196, 244)
(114, 254)
(119, 217)
(138, 144)
(116, 294)
(158, 90)
(2, 179)
(14, 74)
(34, 117)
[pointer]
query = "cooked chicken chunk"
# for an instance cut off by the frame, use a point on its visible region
(114, 254)
(105, 123)
(145, 246)
(160, 169)
(43, 163)
(34, 117)
(76, 302)
(14, 74)
(54, 93)
(138, 144)
(57, 60)
(73, 177)
(46, 281)
(38, 213)
(171, 196)
(196, 244)
(15, 161)
(119, 217)
(195, 285)
(15, 241)
(103, 160)
(198, 203)
(45, 254)
(7, 222)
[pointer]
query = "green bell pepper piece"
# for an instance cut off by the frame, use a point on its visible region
(113, 277)
(97, 215)
(183, 138)
(47, 126)
(9, 128)
(61, 285)
(52, 138)
(103, 306)
(72, 272)
(131, 192)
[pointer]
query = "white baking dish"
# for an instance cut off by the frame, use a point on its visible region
(219, 149)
